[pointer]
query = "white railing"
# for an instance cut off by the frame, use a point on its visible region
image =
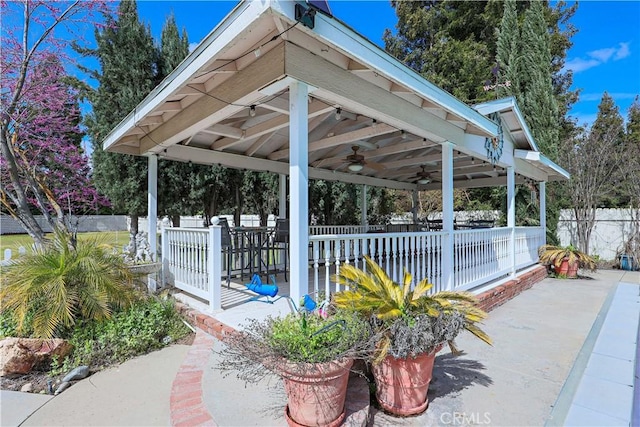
(191, 261)
(192, 257)
(480, 255)
(527, 241)
(317, 230)
(418, 253)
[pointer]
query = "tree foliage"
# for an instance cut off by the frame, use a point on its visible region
(127, 58)
(175, 196)
(46, 170)
(595, 159)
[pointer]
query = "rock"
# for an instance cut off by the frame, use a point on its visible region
(62, 387)
(27, 388)
(76, 374)
(15, 358)
(20, 355)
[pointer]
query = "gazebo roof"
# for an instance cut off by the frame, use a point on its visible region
(228, 103)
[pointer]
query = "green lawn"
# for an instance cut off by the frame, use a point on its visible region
(14, 241)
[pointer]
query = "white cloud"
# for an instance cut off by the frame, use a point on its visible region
(602, 55)
(622, 52)
(598, 57)
(579, 64)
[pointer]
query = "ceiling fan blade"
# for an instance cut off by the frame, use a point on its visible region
(375, 166)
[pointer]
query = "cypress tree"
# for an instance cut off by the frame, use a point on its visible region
(535, 96)
(508, 50)
(175, 179)
(127, 56)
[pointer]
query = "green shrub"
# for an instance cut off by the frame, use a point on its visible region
(147, 325)
(49, 290)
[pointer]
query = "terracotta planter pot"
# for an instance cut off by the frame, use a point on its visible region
(402, 384)
(569, 270)
(316, 392)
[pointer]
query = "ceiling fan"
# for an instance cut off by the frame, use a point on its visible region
(423, 177)
(356, 161)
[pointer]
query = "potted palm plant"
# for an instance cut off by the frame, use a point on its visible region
(565, 260)
(312, 353)
(410, 326)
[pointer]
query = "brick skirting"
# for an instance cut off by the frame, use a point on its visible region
(497, 296)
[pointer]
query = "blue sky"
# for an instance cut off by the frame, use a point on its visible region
(605, 55)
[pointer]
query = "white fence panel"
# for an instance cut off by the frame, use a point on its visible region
(417, 253)
(188, 264)
(528, 240)
(480, 256)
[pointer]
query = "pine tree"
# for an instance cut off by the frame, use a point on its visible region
(608, 118)
(632, 134)
(127, 58)
(173, 48)
(631, 182)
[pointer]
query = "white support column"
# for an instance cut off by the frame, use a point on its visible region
(282, 203)
(152, 213)
(363, 207)
(414, 202)
(511, 217)
(543, 210)
(447, 217)
(299, 189)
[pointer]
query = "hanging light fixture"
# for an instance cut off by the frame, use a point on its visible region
(252, 111)
(338, 113)
(356, 161)
(423, 176)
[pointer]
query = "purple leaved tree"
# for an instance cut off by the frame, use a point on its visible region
(44, 169)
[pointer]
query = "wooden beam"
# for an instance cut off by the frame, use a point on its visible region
(316, 108)
(345, 138)
(192, 89)
(208, 110)
(277, 104)
(356, 66)
(236, 161)
(170, 106)
(371, 99)
(404, 147)
(415, 160)
(224, 130)
(258, 144)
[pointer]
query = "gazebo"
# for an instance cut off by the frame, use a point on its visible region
(282, 87)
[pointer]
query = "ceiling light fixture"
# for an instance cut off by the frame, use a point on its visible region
(356, 161)
(338, 113)
(423, 176)
(252, 111)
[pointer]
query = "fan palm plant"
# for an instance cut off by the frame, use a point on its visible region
(373, 293)
(59, 283)
(554, 255)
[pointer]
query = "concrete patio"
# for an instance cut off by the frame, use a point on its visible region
(539, 337)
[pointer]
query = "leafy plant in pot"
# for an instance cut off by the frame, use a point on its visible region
(312, 353)
(410, 326)
(565, 259)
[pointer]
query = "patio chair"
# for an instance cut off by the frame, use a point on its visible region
(227, 246)
(281, 237)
